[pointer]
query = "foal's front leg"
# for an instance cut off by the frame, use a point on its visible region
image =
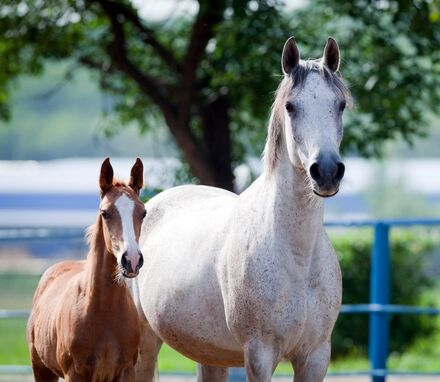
(312, 367)
(149, 348)
(128, 375)
(71, 376)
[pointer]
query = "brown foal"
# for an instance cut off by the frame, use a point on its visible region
(84, 326)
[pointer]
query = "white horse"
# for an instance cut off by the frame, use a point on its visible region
(253, 279)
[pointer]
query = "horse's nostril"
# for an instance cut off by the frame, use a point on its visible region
(314, 171)
(140, 263)
(125, 263)
(340, 171)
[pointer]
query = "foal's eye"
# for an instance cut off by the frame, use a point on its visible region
(144, 214)
(342, 106)
(105, 214)
(290, 108)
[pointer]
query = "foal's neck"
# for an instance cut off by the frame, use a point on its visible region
(101, 269)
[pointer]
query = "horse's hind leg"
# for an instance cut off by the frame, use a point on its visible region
(260, 360)
(207, 373)
(149, 347)
(313, 367)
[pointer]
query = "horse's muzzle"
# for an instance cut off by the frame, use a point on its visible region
(127, 265)
(327, 172)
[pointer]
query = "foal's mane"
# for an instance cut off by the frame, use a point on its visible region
(297, 78)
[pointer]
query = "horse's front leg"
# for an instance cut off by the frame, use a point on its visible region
(260, 360)
(72, 376)
(149, 347)
(312, 367)
(128, 375)
(207, 373)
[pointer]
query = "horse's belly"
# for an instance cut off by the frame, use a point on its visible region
(191, 320)
(200, 347)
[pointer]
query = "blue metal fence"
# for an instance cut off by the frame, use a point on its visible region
(378, 309)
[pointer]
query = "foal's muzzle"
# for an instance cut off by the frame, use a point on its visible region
(128, 263)
(327, 172)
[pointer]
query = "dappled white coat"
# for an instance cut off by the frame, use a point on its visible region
(249, 279)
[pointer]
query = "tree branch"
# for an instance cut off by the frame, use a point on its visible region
(185, 139)
(146, 34)
(210, 14)
(118, 52)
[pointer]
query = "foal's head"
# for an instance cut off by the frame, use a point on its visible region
(311, 101)
(122, 214)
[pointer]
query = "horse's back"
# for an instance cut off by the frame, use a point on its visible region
(57, 273)
(188, 199)
(178, 210)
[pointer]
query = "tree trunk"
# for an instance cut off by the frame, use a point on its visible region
(217, 142)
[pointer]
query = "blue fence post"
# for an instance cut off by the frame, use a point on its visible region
(379, 294)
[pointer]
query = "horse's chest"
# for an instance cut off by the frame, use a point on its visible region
(265, 296)
(324, 291)
(102, 345)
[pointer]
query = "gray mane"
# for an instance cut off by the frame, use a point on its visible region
(296, 78)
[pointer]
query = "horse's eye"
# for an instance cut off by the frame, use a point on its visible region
(290, 108)
(105, 214)
(144, 214)
(342, 106)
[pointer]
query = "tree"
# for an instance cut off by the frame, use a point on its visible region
(187, 72)
(391, 55)
(210, 77)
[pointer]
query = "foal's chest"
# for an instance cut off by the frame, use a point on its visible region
(105, 344)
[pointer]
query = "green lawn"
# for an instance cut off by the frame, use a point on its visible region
(423, 356)
(13, 350)
(17, 290)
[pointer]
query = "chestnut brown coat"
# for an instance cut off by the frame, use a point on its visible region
(84, 325)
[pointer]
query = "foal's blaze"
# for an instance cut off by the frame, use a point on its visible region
(84, 325)
(122, 213)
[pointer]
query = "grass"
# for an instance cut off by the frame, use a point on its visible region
(423, 356)
(17, 291)
(13, 347)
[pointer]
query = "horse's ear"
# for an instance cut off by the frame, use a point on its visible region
(106, 176)
(290, 57)
(137, 176)
(331, 55)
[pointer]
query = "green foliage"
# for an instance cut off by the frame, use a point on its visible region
(390, 57)
(410, 257)
(389, 49)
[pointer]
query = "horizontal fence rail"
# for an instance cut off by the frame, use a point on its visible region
(378, 309)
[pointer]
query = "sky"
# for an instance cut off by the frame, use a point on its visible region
(166, 9)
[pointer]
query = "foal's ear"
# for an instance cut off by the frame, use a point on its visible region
(106, 176)
(331, 55)
(137, 176)
(290, 57)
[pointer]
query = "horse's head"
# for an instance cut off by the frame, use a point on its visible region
(122, 214)
(314, 101)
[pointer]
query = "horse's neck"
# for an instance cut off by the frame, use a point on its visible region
(291, 208)
(101, 266)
